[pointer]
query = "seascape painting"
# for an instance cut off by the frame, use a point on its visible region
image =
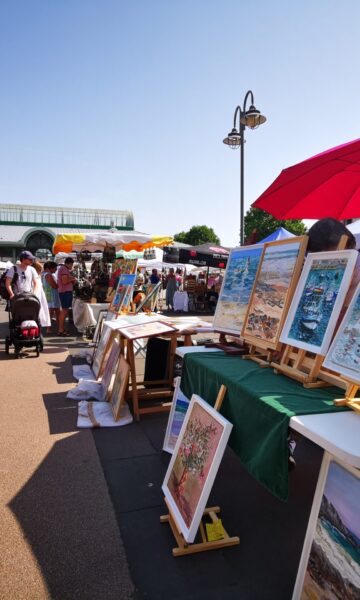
(270, 297)
(194, 464)
(317, 303)
(179, 406)
(344, 352)
(236, 289)
(333, 568)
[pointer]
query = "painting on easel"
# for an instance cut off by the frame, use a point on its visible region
(194, 464)
(318, 299)
(330, 561)
(179, 406)
(276, 278)
(236, 289)
(344, 353)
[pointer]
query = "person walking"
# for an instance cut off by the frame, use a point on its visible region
(51, 291)
(171, 285)
(44, 314)
(65, 286)
(23, 277)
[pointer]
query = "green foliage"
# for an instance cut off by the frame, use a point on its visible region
(265, 224)
(198, 234)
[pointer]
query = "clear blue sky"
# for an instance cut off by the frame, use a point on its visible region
(124, 104)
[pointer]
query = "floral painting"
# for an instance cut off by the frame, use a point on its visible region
(194, 464)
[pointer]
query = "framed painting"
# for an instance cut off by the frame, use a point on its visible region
(133, 332)
(110, 367)
(118, 392)
(236, 289)
(330, 561)
(344, 353)
(123, 290)
(278, 273)
(149, 303)
(180, 404)
(194, 464)
(318, 299)
(100, 350)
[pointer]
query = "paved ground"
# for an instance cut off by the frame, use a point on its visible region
(80, 509)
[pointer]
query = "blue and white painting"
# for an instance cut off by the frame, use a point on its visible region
(333, 568)
(236, 288)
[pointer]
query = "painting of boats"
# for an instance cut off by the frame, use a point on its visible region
(279, 268)
(344, 353)
(236, 289)
(330, 564)
(317, 302)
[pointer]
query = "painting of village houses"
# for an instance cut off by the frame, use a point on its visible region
(267, 309)
(236, 288)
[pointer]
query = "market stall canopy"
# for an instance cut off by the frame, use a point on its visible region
(326, 185)
(205, 255)
(279, 234)
(125, 240)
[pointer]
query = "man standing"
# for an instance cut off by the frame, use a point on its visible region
(21, 278)
(65, 286)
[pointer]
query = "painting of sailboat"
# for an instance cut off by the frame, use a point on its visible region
(318, 299)
(236, 288)
(330, 564)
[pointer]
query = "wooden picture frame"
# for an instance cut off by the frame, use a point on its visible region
(194, 465)
(149, 302)
(236, 289)
(110, 366)
(318, 299)
(344, 353)
(142, 330)
(180, 404)
(100, 349)
(276, 279)
(330, 560)
(119, 388)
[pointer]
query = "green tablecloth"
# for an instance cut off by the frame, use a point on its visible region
(259, 403)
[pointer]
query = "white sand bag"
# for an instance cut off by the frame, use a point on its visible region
(83, 372)
(99, 414)
(87, 390)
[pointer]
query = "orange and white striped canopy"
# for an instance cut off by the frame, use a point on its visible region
(121, 240)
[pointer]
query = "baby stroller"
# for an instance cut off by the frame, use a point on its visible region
(24, 324)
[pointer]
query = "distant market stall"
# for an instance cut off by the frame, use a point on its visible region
(124, 240)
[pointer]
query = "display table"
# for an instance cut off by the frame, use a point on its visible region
(86, 314)
(260, 405)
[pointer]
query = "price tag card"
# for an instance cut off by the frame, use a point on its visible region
(214, 531)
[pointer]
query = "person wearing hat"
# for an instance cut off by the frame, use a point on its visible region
(21, 278)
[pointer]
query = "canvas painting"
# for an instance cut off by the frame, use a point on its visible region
(110, 366)
(319, 296)
(118, 392)
(236, 289)
(180, 404)
(344, 352)
(133, 332)
(330, 563)
(279, 270)
(124, 288)
(99, 351)
(194, 464)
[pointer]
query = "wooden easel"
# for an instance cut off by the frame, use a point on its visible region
(164, 387)
(184, 547)
(263, 356)
(350, 400)
(305, 366)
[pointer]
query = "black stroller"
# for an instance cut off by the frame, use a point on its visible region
(24, 324)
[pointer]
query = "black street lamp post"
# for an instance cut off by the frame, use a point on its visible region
(251, 118)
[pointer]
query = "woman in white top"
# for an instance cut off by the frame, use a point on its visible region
(44, 315)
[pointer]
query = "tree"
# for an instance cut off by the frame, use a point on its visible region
(198, 234)
(264, 224)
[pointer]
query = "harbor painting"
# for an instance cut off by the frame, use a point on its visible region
(317, 303)
(279, 266)
(344, 352)
(333, 565)
(236, 289)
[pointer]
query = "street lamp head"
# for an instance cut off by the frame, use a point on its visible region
(234, 139)
(252, 118)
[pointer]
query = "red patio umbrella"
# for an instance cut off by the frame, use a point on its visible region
(326, 185)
